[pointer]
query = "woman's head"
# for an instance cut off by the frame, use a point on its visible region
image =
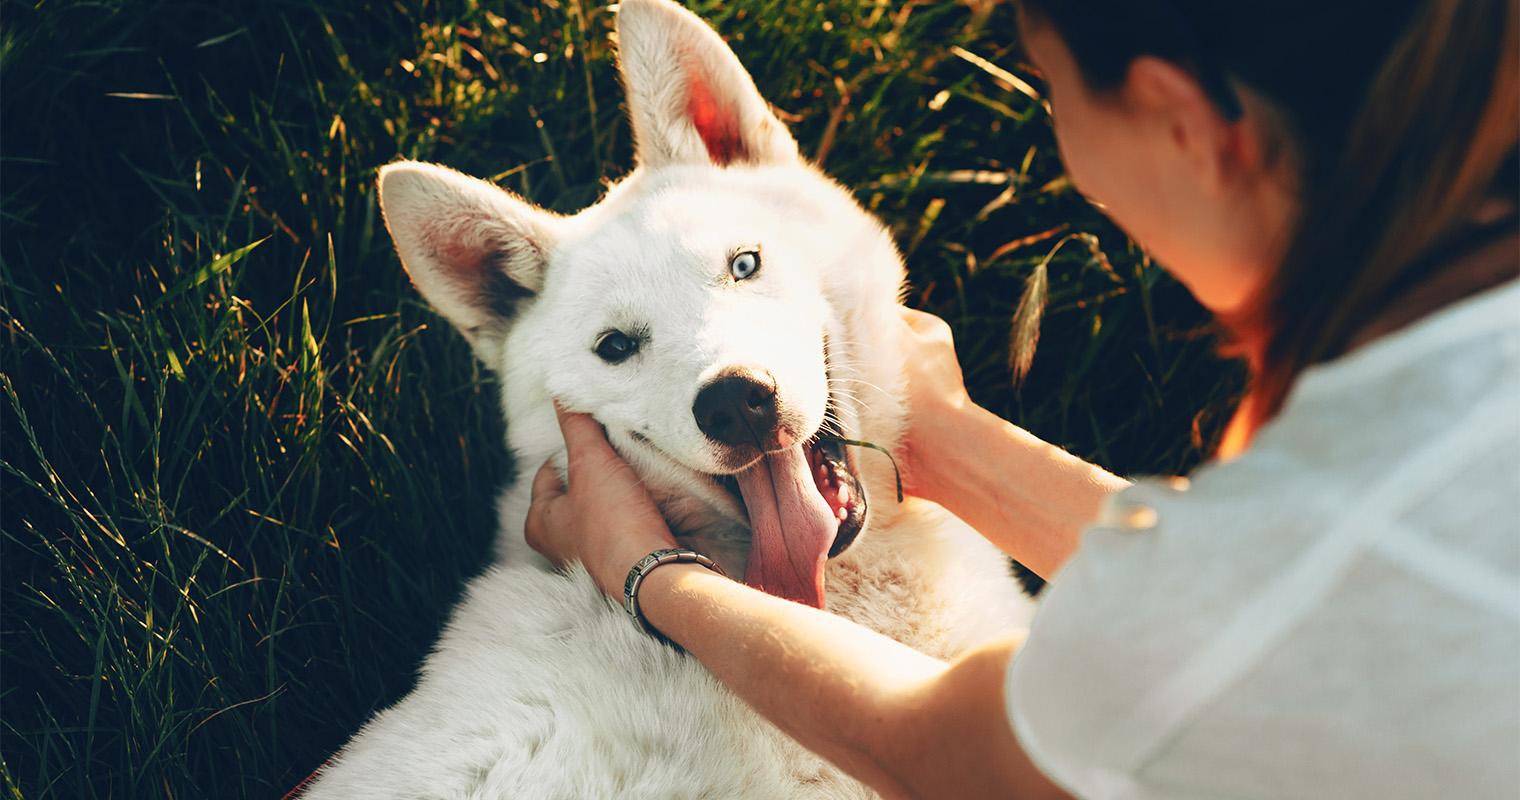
(1296, 165)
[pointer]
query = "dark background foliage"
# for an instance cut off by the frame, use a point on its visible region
(245, 470)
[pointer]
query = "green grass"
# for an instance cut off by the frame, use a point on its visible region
(245, 470)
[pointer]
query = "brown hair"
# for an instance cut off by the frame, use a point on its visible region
(1404, 117)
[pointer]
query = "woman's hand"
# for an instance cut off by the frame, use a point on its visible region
(937, 401)
(1029, 498)
(605, 519)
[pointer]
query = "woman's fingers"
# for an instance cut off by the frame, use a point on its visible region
(547, 488)
(925, 323)
(586, 447)
(583, 434)
(936, 400)
(601, 515)
(546, 484)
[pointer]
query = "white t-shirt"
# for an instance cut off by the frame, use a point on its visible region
(1334, 614)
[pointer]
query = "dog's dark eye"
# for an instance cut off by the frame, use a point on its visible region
(614, 347)
(744, 264)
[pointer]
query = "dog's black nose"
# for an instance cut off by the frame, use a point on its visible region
(739, 408)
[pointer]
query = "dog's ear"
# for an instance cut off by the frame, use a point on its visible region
(473, 250)
(691, 100)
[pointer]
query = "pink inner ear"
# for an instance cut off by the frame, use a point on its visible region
(715, 122)
(465, 261)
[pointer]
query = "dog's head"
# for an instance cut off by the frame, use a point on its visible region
(710, 311)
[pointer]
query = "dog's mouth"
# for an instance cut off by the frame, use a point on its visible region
(806, 504)
(833, 471)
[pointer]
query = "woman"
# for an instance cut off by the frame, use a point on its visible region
(1333, 608)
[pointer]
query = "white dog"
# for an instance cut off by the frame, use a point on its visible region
(723, 311)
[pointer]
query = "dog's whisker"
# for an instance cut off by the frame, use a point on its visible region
(868, 384)
(842, 392)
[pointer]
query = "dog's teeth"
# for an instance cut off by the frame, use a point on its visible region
(843, 513)
(842, 494)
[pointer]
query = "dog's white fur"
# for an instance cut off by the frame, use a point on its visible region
(539, 686)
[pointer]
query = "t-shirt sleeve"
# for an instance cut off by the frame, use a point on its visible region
(1118, 621)
(1083, 666)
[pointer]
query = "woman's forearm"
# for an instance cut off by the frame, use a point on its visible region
(823, 681)
(1030, 498)
(903, 723)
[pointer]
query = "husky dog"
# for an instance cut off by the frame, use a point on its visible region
(726, 312)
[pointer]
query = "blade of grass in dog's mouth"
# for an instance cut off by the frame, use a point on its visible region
(896, 473)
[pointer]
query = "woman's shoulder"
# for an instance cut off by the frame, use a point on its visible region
(1422, 421)
(1414, 436)
(1376, 513)
(1349, 420)
(1425, 419)
(1461, 335)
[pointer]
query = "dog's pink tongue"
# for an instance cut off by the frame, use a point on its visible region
(791, 525)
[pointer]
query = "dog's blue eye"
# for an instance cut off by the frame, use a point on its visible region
(615, 347)
(744, 264)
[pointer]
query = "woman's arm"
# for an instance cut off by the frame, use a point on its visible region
(903, 723)
(1030, 498)
(906, 724)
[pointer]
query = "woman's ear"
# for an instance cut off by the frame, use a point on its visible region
(473, 250)
(1168, 96)
(691, 100)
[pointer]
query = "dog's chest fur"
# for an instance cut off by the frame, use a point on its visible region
(541, 688)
